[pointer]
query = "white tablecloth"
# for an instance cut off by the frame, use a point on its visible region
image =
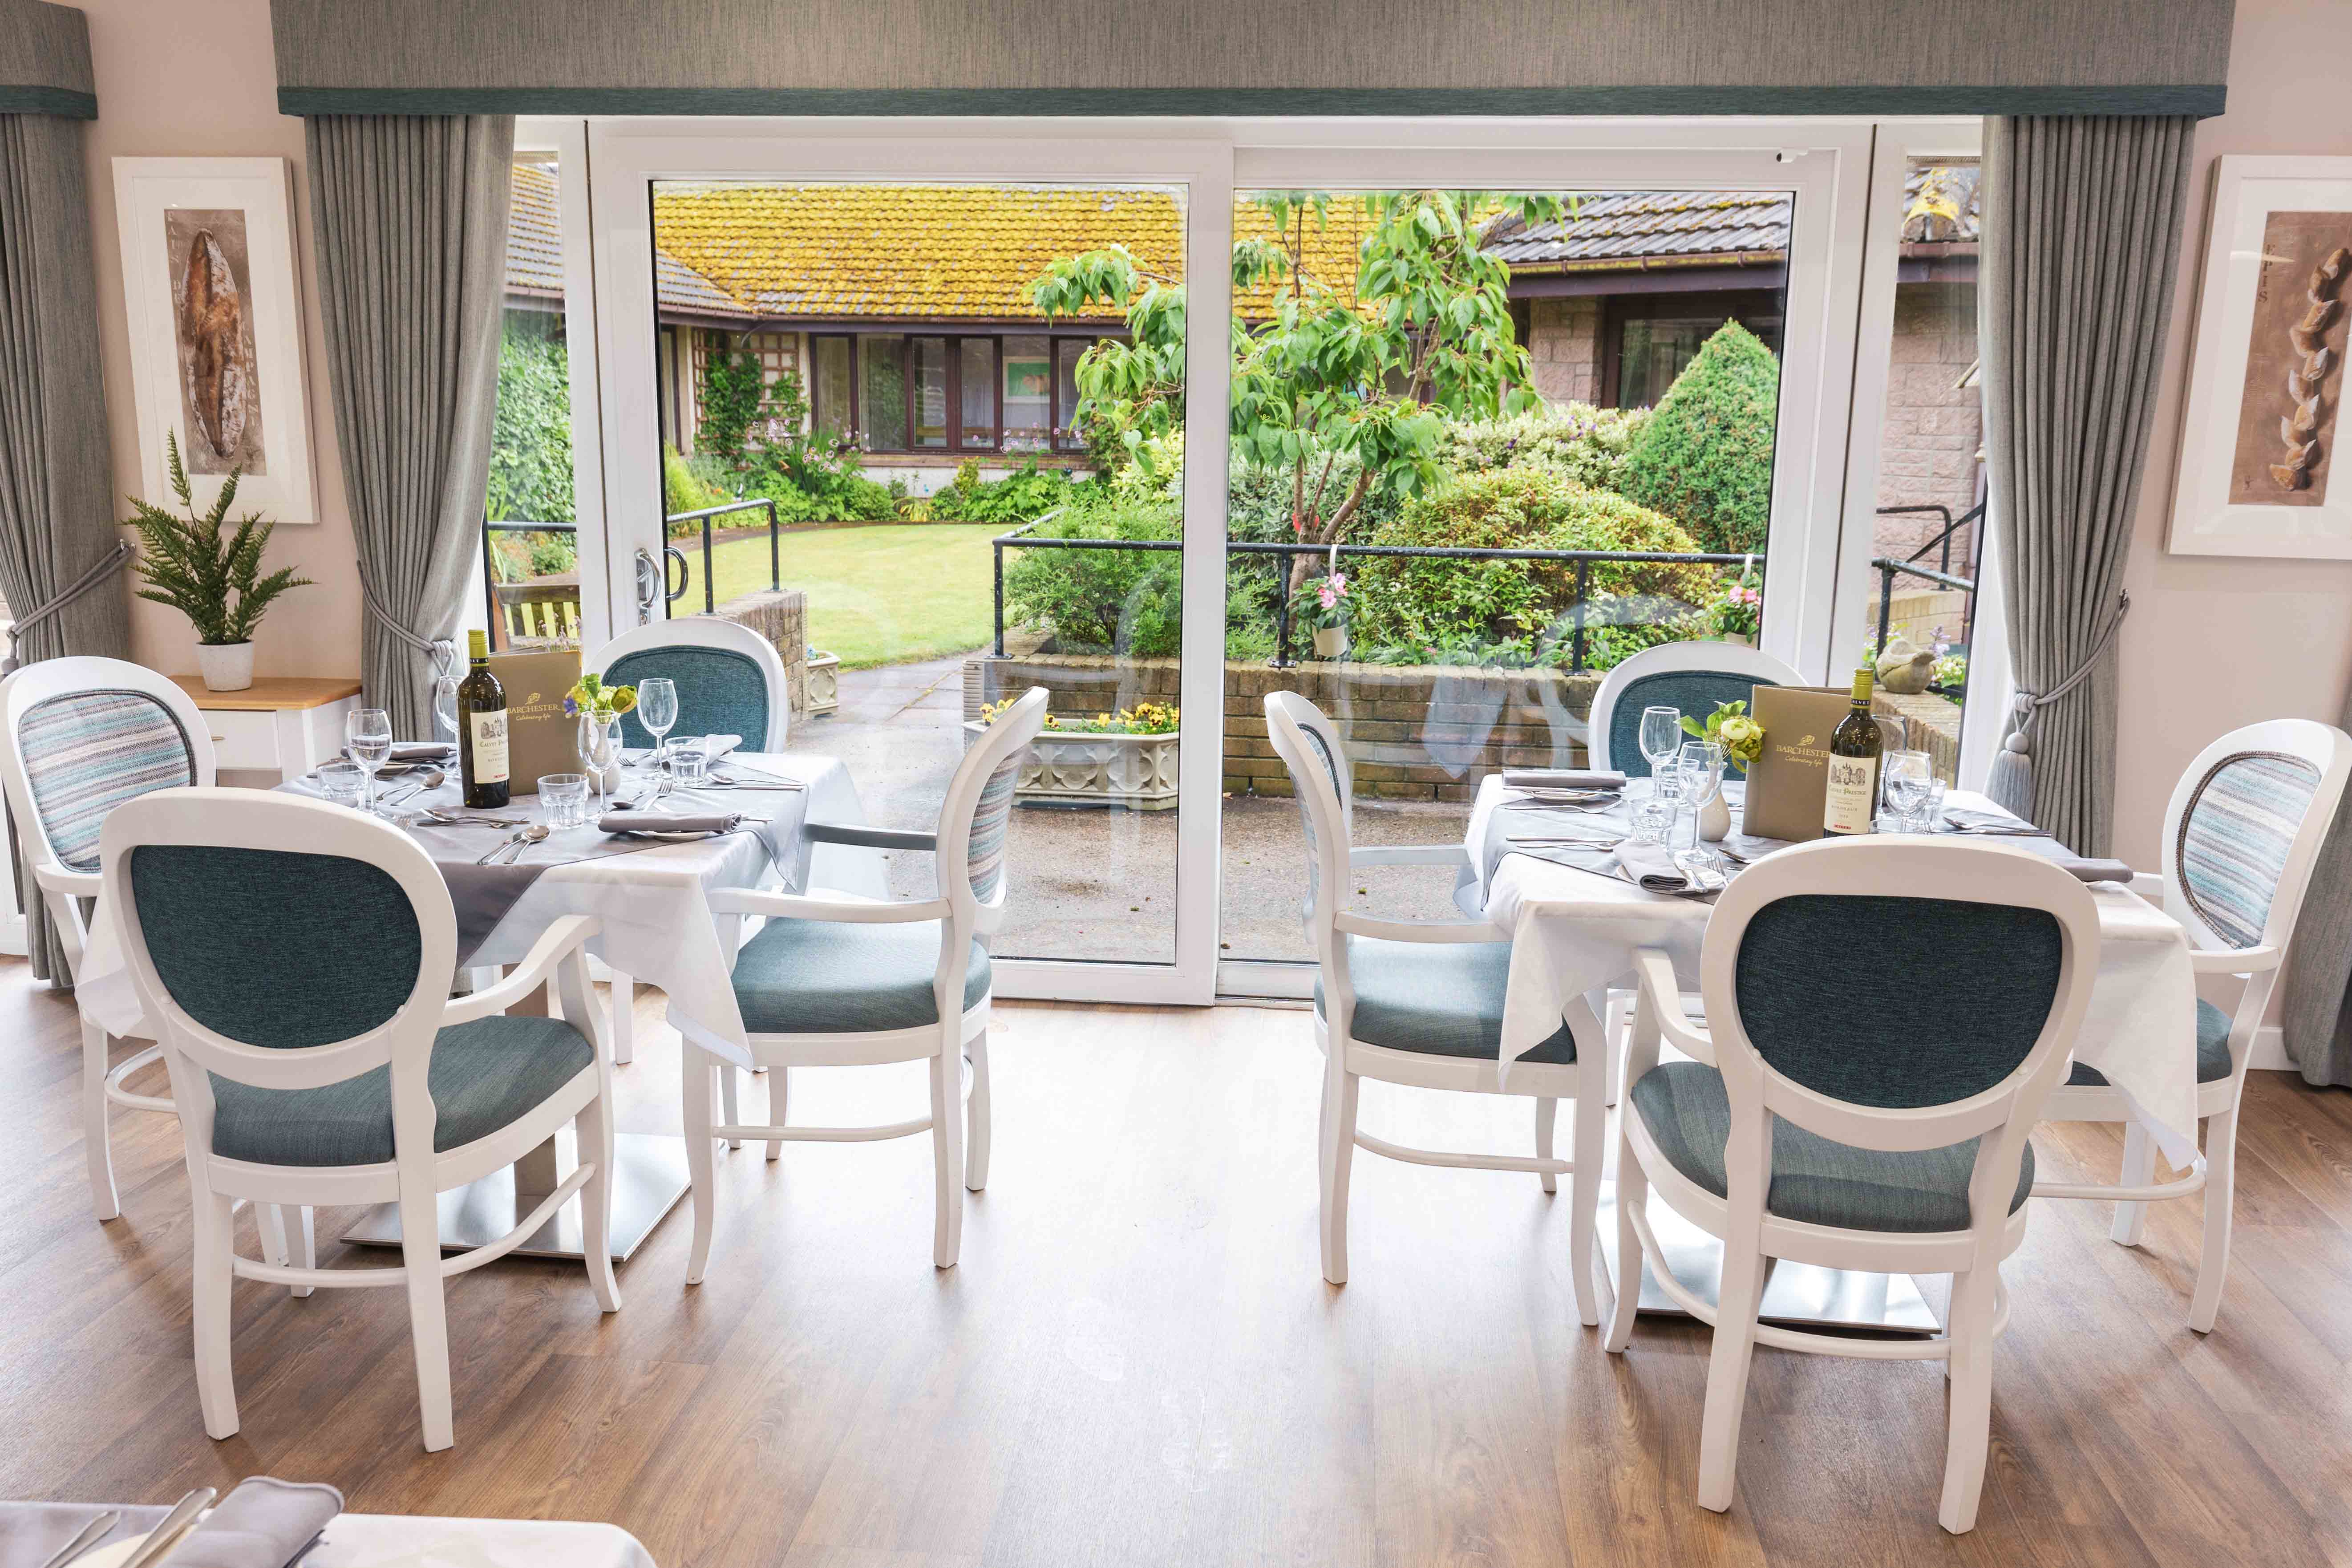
(397, 1541)
(1574, 934)
(657, 926)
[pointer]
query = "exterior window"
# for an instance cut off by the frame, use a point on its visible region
(976, 393)
(882, 393)
(1649, 351)
(930, 392)
(1066, 392)
(1028, 393)
(829, 387)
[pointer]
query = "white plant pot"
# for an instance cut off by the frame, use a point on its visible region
(1738, 639)
(227, 667)
(824, 684)
(1331, 642)
(1064, 768)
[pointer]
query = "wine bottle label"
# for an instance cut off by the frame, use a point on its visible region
(1846, 803)
(489, 747)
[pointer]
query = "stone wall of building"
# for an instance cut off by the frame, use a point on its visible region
(1927, 445)
(1564, 341)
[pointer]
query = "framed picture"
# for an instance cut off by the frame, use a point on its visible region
(215, 317)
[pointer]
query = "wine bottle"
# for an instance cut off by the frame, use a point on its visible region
(482, 730)
(1851, 798)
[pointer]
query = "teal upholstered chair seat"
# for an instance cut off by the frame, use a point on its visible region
(842, 977)
(1814, 1180)
(2212, 1051)
(1440, 999)
(485, 1075)
(720, 692)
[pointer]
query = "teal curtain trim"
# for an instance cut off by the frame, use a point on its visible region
(2201, 101)
(63, 101)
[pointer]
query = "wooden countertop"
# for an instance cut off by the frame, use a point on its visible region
(269, 693)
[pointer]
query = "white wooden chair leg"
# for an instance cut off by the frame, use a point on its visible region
(214, 1237)
(2220, 1194)
(2139, 1171)
(624, 1019)
(975, 1156)
(1970, 1395)
(428, 1322)
(729, 1101)
(780, 1079)
(1591, 1133)
(593, 1127)
(947, 1155)
(1340, 1094)
(696, 1066)
(278, 1238)
(1727, 1373)
(304, 1233)
(1632, 1188)
(1547, 1115)
(95, 1135)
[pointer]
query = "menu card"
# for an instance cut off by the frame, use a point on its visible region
(1789, 784)
(541, 738)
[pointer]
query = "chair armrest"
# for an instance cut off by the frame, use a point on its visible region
(1661, 997)
(1417, 931)
(796, 907)
(558, 943)
(2235, 960)
(870, 837)
(1410, 854)
(73, 884)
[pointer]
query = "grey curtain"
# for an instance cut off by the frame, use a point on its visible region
(56, 481)
(410, 217)
(2316, 1018)
(2081, 240)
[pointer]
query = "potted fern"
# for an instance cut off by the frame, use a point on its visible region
(210, 571)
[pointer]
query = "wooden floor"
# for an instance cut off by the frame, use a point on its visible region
(1138, 1365)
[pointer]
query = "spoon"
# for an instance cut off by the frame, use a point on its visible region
(431, 778)
(535, 834)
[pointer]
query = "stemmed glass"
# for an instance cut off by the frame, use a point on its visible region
(658, 711)
(1908, 777)
(444, 707)
(1662, 732)
(1698, 769)
(368, 732)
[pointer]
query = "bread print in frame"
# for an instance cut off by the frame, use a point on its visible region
(212, 321)
(2288, 426)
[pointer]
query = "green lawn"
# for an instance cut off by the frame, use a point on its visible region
(890, 594)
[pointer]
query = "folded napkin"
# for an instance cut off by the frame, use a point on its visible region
(2096, 871)
(669, 822)
(1959, 819)
(1564, 778)
(407, 755)
(264, 1523)
(1653, 867)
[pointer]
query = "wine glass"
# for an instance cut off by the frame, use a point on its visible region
(1698, 769)
(368, 732)
(444, 707)
(658, 711)
(1662, 732)
(1907, 776)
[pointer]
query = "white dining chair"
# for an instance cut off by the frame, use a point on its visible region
(1419, 1002)
(2240, 835)
(1695, 676)
(731, 681)
(302, 998)
(1814, 1124)
(837, 980)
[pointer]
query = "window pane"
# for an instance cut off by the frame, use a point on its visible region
(1654, 353)
(1028, 393)
(882, 391)
(930, 392)
(831, 387)
(1065, 369)
(978, 398)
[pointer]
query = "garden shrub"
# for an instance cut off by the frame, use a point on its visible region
(1705, 454)
(684, 489)
(1521, 609)
(1022, 496)
(1102, 601)
(531, 434)
(1587, 443)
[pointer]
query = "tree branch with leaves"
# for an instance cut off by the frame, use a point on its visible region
(203, 568)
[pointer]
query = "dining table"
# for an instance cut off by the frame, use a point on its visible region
(1545, 869)
(650, 898)
(31, 1533)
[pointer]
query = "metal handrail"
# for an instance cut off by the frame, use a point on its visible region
(709, 577)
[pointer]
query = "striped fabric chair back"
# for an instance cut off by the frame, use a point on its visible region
(86, 753)
(985, 851)
(2235, 839)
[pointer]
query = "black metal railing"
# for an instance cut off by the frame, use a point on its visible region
(709, 577)
(1283, 553)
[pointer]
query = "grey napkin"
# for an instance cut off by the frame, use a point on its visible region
(2096, 871)
(406, 755)
(1653, 867)
(1959, 819)
(264, 1523)
(1564, 778)
(669, 822)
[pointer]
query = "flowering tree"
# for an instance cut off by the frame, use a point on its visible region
(1362, 374)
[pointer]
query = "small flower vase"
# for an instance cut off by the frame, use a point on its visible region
(1738, 639)
(1715, 820)
(1330, 642)
(598, 745)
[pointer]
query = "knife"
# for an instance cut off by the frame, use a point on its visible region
(176, 1523)
(85, 1538)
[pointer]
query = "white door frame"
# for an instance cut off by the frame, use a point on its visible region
(1827, 163)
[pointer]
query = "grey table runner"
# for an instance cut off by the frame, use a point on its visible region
(484, 894)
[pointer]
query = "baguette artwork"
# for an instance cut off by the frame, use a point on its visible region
(2305, 377)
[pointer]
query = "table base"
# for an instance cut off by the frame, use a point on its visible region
(649, 1177)
(1797, 1295)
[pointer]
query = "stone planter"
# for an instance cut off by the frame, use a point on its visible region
(1137, 772)
(227, 667)
(824, 684)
